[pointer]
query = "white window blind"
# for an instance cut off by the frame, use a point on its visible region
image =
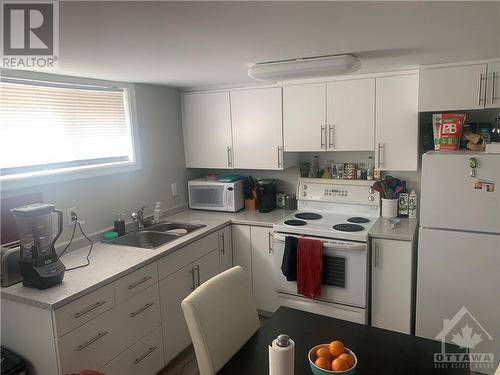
(48, 126)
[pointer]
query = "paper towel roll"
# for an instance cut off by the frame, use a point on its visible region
(281, 359)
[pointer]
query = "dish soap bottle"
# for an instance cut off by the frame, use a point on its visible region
(403, 201)
(157, 212)
(412, 205)
(119, 226)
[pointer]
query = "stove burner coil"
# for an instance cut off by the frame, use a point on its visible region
(348, 227)
(308, 216)
(358, 220)
(295, 223)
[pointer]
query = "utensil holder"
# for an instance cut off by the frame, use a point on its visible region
(389, 207)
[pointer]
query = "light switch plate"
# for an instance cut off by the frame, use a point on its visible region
(173, 187)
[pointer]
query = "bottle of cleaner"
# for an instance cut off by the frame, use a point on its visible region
(157, 212)
(403, 201)
(412, 205)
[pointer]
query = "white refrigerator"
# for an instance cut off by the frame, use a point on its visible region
(459, 252)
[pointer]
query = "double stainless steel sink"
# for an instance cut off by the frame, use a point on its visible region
(156, 235)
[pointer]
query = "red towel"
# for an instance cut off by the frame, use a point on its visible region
(309, 267)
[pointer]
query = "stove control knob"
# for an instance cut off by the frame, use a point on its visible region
(304, 187)
(371, 198)
(370, 191)
(304, 193)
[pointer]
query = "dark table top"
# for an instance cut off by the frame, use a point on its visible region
(379, 351)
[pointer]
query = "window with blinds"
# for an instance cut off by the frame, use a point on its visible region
(47, 127)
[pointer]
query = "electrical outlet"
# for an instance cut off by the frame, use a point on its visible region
(173, 187)
(69, 218)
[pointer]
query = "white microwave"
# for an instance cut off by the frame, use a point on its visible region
(205, 194)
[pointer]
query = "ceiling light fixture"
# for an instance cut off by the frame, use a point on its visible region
(307, 67)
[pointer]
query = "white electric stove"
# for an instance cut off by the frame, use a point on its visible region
(339, 213)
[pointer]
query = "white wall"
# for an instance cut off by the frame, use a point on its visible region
(99, 199)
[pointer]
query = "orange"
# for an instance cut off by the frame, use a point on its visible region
(323, 363)
(336, 348)
(340, 364)
(324, 352)
(348, 358)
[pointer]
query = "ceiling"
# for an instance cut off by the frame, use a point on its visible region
(205, 44)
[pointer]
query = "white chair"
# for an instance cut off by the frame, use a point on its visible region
(221, 316)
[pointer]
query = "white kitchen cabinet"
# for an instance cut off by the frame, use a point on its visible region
(225, 249)
(449, 88)
(263, 269)
(351, 115)
(257, 128)
(207, 130)
(493, 86)
(304, 117)
(396, 132)
(392, 284)
(242, 249)
(173, 289)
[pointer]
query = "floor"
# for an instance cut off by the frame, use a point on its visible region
(185, 363)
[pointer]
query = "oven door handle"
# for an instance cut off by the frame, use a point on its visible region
(327, 244)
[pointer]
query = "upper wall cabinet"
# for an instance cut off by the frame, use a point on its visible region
(397, 123)
(257, 128)
(207, 130)
(304, 117)
(333, 116)
(461, 87)
(351, 115)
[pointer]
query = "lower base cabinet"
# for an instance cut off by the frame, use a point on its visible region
(144, 357)
(253, 251)
(392, 286)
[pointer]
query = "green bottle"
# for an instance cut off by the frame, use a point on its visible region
(403, 207)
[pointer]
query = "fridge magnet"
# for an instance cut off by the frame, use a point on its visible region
(490, 188)
(489, 185)
(478, 185)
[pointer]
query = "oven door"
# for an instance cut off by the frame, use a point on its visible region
(208, 197)
(344, 271)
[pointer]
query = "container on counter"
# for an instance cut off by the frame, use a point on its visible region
(119, 225)
(290, 202)
(280, 199)
(412, 205)
(403, 201)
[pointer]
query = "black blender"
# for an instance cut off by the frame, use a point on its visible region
(39, 264)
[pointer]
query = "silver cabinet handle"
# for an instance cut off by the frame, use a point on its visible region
(197, 268)
(143, 308)
(229, 161)
(92, 340)
(223, 247)
(330, 136)
(380, 148)
(269, 241)
(141, 281)
(375, 265)
(280, 157)
(88, 309)
(323, 143)
(193, 287)
(150, 350)
(481, 79)
(494, 77)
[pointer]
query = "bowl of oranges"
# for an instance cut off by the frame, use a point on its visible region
(332, 358)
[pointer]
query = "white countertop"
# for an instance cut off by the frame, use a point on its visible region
(110, 262)
(405, 230)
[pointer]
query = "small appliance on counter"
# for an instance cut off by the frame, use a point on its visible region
(266, 194)
(208, 194)
(10, 273)
(38, 261)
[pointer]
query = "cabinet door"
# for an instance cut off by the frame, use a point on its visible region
(351, 115)
(391, 284)
(452, 88)
(263, 268)
(493, 86)
(242, 252)
(225, 249)
(207, 130)
(206, 267)
(173, 289)
(397, 123)
(304, 117)
(257, 128)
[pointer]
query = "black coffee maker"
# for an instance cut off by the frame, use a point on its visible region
(39, 264)
(266, 194)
